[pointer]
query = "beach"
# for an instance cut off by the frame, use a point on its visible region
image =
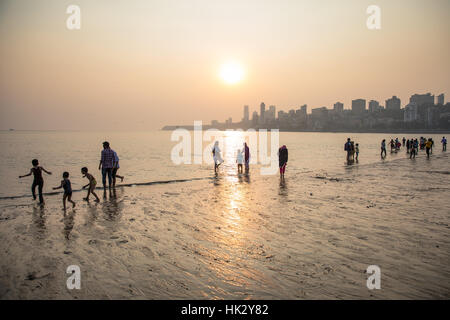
(229, 236)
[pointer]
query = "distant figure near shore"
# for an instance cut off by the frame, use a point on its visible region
(246, 158)
(106, 164)
(38, 180)
(383, 148)
(412, 151)
(239, 161)
(217, 156)
(428, 146)
(444, 143)
(282, 160)
(357, 151)
(348, 148)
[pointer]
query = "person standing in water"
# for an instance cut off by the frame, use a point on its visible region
(116, 167)
(428, 146)
(444, 143)
(383, 148)
(412, 151)
(106, 164)
(67, 186)
(217, 156)
(348, 148)
(38, 181)
(239, 161)
(404, 141)
(246, 157)
(282, 160)
(357, 151)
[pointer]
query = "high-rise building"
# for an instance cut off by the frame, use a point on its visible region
(374, 106)
(304, 109)
(270, 115)
(246, 114)
(358, 105)
(441, 99)
(338, 107)
(421, 99)
(262, 118)
(393, 104)
(255, 118)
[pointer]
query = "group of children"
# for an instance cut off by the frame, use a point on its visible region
(66, 185)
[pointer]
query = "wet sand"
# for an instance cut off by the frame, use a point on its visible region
(232, 237)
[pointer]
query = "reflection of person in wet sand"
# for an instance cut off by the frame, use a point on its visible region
(217, 156)
(92, 183)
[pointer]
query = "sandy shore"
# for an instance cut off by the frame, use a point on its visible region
(237, 238)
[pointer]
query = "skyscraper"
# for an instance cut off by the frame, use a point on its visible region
(358, 105)
(393, 104)
(246, 115)
(338, 107)
(441, 99)
(420, 99)
(262, 113)
(374, 106)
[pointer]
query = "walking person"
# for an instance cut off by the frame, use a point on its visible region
(116, 167)
(413, 151)
(38, 180)
(428, 146)
(217, 156)
(383, 148)
(282, 160)
(106, 165)
(444, 143)
(246, 158)
(357, 151)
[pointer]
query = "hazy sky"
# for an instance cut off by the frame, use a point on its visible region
(137, 65)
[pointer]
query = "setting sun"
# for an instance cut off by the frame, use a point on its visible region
(231, 72)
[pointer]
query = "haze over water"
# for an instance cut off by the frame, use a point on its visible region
(228, 236)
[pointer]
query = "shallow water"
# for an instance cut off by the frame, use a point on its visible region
(227, 236)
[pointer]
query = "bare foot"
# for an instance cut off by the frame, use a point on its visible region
(73, 205)
(86, 199)
(121, 179)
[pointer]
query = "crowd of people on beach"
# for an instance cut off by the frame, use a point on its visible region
(412, 146)
(109, 165)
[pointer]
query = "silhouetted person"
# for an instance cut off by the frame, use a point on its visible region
(444, 143)
(38, 180)
(106, 164)
(282, 160)
(383, 148)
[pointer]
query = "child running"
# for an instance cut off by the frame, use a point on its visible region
(67, 186)
(38, 179)
(92, 183)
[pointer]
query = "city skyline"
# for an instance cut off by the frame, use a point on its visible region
(141, 65)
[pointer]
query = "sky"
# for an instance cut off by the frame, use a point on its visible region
(140, 65)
